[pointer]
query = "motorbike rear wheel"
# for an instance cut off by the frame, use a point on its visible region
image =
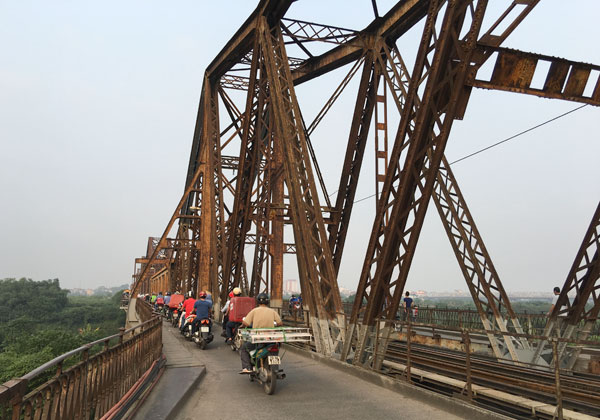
(271, 382)
(236, 343)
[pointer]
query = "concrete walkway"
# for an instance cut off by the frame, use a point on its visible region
(182, 374)
(312, 390)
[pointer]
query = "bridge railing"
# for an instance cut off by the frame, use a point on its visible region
(143, 309)
(92, 383)
(532, 323)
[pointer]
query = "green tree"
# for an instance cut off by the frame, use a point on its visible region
(43, 323)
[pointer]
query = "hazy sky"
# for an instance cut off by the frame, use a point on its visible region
(97, 109)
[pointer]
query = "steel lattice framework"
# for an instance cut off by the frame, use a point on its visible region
(250, 177)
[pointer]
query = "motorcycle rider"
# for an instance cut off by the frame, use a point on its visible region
(260, 317)
(202, 307)
(159, 302)
(167, 299)
(188, 306)
(225, 312)
(231, 325)
(292, 304)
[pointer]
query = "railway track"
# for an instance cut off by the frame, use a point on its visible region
(580, 392)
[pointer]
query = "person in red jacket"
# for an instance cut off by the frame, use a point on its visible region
(188, 306)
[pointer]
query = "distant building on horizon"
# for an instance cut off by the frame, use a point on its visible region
(290, 286)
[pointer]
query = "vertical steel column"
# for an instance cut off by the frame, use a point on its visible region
(381, 139)
(314, 256)
(442, 63)
(207, 240)
(355, 150)
(218, 252)
(262, 208)
(252, 132)
(276, 239)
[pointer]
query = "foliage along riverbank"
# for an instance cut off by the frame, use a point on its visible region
(40, 322)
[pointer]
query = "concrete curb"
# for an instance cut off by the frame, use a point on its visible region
(172, 391)
(448, 404)
(185, 396)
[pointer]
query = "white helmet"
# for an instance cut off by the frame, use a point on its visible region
(237, 291)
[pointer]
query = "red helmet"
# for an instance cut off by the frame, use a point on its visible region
(202, 295)
(230, 294)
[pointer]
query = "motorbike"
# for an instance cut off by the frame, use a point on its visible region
(203, 336)
(236, 342)
(294, 308)
(187, 326)
(266, 364)
(167, 313)
(265, 358)
(176, 315)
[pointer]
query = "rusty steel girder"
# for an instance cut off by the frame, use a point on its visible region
(424, 128)
(231, 202)
(514, 71)
(584, 280)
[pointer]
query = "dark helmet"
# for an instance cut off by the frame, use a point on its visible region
(168, 293)
(262, 299)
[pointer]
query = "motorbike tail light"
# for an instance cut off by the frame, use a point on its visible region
(274, 349)
(204, 321)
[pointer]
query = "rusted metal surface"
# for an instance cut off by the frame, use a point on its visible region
(562, 79)
(355, 149)
(233, 202)
(424, 127)
(547, 384)
(483, 281)
(143, 309)
(91, 385)
(583, 280)
(315, 264)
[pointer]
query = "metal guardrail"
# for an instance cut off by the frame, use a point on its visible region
(532, 323)
(143, 309)
(94, 384)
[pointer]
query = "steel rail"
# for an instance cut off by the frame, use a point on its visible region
(578, 393)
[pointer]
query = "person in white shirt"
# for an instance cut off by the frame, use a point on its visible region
(554, 299)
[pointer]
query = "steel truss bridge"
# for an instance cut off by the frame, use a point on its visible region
(253, 173)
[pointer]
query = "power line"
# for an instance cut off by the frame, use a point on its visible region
(364, 198)
(518, 134)
(499, 143)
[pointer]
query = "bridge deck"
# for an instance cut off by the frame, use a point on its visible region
(311, 390)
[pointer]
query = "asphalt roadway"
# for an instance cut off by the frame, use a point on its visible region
(311, 390)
